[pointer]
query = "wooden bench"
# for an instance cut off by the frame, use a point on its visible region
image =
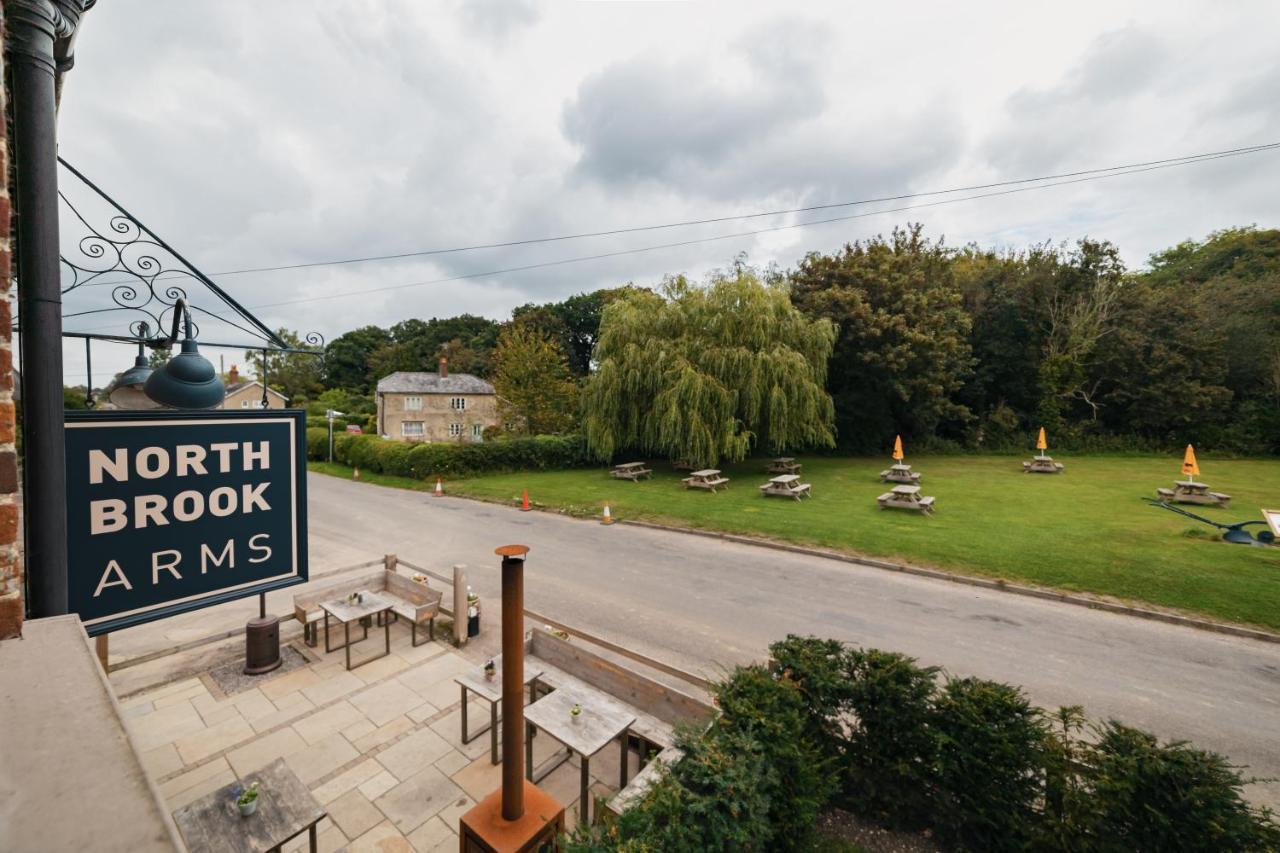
(711, 485)
(658, 707)
(1164, 494)
(891, 476)
(415, 602)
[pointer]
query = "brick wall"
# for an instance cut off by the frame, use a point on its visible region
(10, 556)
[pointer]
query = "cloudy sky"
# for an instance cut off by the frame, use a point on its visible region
(251, 134)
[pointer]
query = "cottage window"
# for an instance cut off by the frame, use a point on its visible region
(458, 403)
(477, 431)
(455, 429)
(412, 404)
(411, 428)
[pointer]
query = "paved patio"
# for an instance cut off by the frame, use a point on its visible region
(378, 746)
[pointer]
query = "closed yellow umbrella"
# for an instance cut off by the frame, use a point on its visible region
(897, 448)
(1189, 466)
(1042, 443)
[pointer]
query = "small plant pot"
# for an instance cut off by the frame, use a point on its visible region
(248, 808)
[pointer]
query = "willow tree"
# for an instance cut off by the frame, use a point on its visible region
(706, 373)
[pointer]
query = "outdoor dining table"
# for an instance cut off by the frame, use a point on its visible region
(899, 473)
(707, 478)
(286, 809)
(602, 720)
(1192, 492)
(345, 611)
(630, 471)
(490, 689)
(784, 465)
(787, 486)
(906, 497)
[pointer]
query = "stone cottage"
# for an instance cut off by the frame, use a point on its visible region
(247, 394)
(435, 406)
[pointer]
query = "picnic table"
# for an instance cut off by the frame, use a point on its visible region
(1042, 465)
(784, 465)
(286, 809)
(345, 611)
(1191, 492)
(630, 471)
(906, 497)
(602, 720)
(707, 478)
(899, 473)
(490, 689)
(786, 486)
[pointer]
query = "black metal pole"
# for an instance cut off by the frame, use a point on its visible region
(33, 26)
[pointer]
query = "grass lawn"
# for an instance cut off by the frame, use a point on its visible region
(1086, 530)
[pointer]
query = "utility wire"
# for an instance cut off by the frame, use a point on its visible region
(1158, 165)
(713, 220)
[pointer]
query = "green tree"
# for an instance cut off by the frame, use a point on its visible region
(74, 397)
(903, 348)
(297, 375)
(347, 358)
(575, 323)
(706, 373)
(531, 374)
(416, 345)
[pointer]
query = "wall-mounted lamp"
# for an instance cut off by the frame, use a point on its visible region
(188, 380)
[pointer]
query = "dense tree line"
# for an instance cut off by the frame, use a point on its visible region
(982, 347)
(942, 344)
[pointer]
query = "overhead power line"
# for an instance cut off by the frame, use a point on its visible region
(1088, 177)
(743, 216)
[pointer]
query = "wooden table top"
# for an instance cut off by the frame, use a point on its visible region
(899, 466)
(344, 611)
(785, 460)
(628, 465)
(1191, 484)
(602, 718)
(212, 824)
(706, 472)
(784, 479)
(905, 490)
(491, 689)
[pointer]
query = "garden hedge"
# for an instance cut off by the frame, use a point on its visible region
(970, 761)
(424, 461)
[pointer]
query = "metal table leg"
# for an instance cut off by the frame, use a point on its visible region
(311, 836)
(528, 751)
(584, 806)
(626, 736)
(493, 732)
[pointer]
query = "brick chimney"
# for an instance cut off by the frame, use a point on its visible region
(233, 375)
(444, 367)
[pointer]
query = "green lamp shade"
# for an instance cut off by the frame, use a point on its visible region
(136, 375)
(187, 381)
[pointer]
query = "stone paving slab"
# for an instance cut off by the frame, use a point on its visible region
(380, 748)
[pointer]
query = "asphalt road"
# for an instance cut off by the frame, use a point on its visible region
(703, 604)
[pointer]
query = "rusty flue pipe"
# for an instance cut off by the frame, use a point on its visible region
(512, 680)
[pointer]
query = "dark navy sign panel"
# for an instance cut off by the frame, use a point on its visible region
(173, 511)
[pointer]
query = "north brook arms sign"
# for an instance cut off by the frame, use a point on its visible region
(173, 511)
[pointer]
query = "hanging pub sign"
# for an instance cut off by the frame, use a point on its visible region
(173, 511)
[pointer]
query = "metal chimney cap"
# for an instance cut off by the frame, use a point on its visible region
(511, 550)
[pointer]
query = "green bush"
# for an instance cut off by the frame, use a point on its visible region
(771, 711)
(889, 766)
(991, 754)
(974, 762)
(1149, 796)
(449, 460)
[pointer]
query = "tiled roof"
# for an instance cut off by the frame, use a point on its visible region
(403, 382)
(245, 383)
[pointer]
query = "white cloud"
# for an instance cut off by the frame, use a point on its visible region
(252, 134)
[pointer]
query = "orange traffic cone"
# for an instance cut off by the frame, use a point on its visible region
(606, 518)
(439, 492)
(524, 502)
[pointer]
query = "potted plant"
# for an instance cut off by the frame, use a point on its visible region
(575, 714)
(247, 799)
(420, 578)
(490, 670)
